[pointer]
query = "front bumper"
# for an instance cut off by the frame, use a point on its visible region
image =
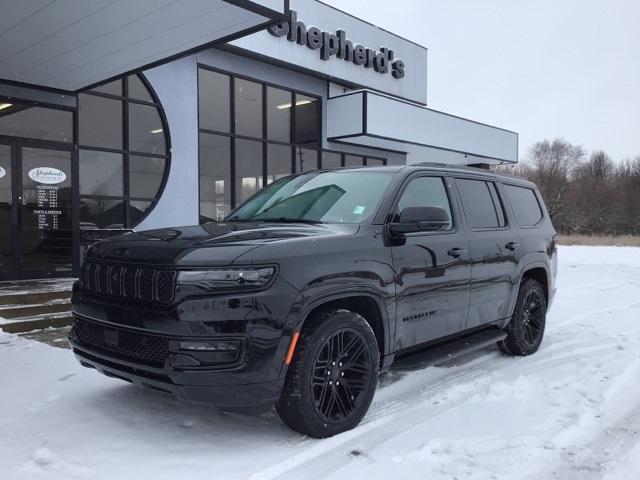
(192, 386)
(141, 343)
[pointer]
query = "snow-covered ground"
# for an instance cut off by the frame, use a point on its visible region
(572, 411)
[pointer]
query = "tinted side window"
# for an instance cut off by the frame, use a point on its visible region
(479, 204)
(426, 192)
(525, 205)
(497, 203)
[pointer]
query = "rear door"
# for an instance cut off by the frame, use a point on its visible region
(494, 251)
(431, 268)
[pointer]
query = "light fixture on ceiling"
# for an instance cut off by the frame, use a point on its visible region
(5, 105)
(156, 130)
(298, 103)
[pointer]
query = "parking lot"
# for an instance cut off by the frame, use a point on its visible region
(570, 411)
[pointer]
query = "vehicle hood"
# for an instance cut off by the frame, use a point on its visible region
(208, 244)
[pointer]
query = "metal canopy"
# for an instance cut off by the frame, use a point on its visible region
(371, 119)
(71, 44)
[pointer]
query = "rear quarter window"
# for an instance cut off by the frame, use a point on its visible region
(525, 205)
(481, 204)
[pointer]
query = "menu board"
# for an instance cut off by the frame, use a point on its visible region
(48, 212)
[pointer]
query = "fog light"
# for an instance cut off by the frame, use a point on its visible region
(208, 353)
(211, 346)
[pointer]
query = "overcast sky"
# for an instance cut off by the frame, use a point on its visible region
(544, 68)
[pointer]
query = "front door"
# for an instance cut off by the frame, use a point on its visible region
(7, 213)
(36, 234)
(432, 269)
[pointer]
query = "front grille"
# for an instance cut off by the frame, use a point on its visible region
(131, 282)
(124, 344)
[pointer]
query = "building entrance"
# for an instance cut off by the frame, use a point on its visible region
(36, 209)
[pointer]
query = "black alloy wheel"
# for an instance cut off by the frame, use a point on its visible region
(333, 376)
(526, 328)
(341, 373)
(533, 316)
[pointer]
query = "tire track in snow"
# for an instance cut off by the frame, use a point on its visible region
(591, 461)
(617, 433)
(591, 313)
(392, 418)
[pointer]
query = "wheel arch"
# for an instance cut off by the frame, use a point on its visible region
(540, 274)
(370, 306)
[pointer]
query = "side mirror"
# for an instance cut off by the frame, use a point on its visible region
(421, 219)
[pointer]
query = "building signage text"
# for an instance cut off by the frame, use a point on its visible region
(336, 44)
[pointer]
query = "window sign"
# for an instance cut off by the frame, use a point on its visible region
(3, 172)
(47, 175)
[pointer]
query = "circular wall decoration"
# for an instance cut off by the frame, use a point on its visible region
(3, 172)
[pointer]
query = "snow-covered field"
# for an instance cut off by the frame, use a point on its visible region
(572, 411)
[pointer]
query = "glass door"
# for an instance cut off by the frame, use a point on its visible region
(45, 223)
(7, 213)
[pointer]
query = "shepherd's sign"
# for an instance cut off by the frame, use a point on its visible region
(337, 44)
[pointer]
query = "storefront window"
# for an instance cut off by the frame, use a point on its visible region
(275, 132)
(307, 115)
(19, 120)
(375, 162)
(137, 89)
(120, 175)
(111, 88)
(145, 129)
(306, 159)
(248, 157)
(279, 114)
(214, 92)
(138, 209)
(215, 177)
(101, 173)
(278, 161)
(100, 121)
(248, 108)
(145, 175)
(353, 161)
(331, 160)
(101, 213)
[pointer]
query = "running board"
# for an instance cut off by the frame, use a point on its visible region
(450, 350)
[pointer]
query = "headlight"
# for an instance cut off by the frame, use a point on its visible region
(246, 278)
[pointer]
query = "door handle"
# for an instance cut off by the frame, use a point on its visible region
(456, 252)
(512, 246)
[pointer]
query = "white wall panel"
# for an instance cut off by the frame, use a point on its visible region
(406, 127)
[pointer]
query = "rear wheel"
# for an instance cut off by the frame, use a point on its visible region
(333, 375)
(526, 328)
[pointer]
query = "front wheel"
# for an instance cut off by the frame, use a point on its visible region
(526, 328)
(333, 376)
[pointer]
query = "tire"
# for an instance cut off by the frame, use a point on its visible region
(321, 399)
(526, 328)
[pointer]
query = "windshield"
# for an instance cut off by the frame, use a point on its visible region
(319, 197)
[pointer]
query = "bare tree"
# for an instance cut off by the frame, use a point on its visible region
(551, 166)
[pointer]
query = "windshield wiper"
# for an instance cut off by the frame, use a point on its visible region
(288, 220)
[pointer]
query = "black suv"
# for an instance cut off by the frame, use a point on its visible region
(316, 284)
